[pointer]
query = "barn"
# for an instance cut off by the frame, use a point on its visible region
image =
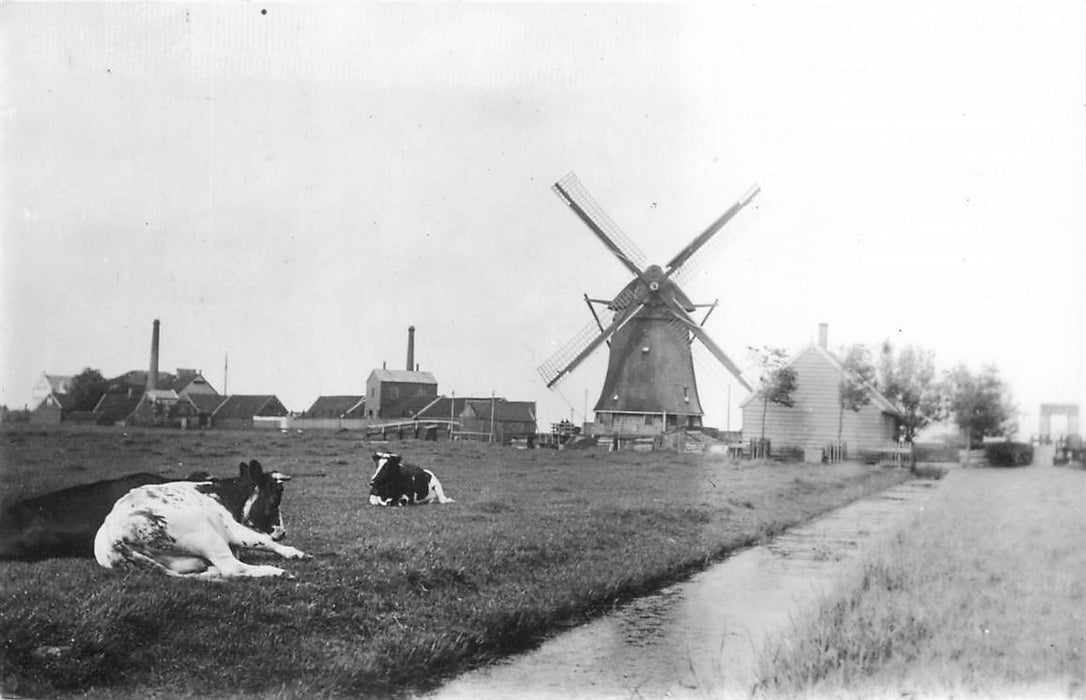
(241, 410)
(812, 422)
(511, 419)
(340, 406)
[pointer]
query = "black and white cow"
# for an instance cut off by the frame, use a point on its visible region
(396, 483)
(189, 528)
(63, 523)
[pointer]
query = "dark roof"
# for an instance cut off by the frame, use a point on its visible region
(205, 403)
(185, 377)
(334, 406)
(137, 379)
(117, 407)
(520, 411)
(249, 405)
(439, 408)
(58, 383)
(504, 410)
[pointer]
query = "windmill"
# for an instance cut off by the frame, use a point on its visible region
(648, 327)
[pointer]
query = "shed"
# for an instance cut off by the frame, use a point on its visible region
(812, 422)
(204, 405)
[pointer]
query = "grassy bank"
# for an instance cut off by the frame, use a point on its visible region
(394, 598)
(983, 596)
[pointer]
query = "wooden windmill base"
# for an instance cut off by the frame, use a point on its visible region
(640, 424)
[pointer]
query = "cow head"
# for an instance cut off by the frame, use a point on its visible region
(385, 475)
(261, 511)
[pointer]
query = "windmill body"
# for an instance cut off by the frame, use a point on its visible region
(650, 386)
(650, 377)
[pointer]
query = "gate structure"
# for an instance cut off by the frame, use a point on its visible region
(1069, 410)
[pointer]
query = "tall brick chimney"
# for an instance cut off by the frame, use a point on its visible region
(824, 336)
(410, 348)
(152, 373)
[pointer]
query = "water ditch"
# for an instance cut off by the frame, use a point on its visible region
(699, 638)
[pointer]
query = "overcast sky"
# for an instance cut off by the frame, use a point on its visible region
(293, 185)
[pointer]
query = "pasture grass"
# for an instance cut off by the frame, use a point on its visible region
(982, 596)
(395, 599)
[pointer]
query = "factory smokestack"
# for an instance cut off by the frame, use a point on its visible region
(410, 348)
(152, 373)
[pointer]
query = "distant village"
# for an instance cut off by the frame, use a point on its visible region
(406, 403)
(397, 402)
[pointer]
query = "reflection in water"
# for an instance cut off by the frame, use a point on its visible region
(699, 638)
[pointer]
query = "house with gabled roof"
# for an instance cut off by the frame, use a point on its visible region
(186, 382)
(398, 393)
(812, 423)
(49, 385)
(52, 409)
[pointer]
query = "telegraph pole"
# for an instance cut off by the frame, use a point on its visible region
(491, 415)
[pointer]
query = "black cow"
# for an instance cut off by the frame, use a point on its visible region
(63, 523)
(191, 528)
(396, 483)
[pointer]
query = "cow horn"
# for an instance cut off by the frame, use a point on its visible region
(280, 477)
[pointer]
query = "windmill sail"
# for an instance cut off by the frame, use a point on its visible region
(650, 371)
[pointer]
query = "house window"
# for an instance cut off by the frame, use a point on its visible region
(649, 419)
(686, 394)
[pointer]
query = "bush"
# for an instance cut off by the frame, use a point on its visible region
(936, 452)
(1008, 454)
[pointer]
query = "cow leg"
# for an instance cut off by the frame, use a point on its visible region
(434, 492)
(241, 536)
(222, 562)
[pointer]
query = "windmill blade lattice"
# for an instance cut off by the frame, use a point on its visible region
(732, 232)
(577, 193)
(553, 367)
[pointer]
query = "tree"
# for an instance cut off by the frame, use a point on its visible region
(980, 403)
(86, 388)
(908, 379)
(778, 381)
(854, 389)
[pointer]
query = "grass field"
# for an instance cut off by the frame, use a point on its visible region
(982, 597)
(395, 599)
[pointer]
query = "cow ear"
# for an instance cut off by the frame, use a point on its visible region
(243, 470)
(255, 470)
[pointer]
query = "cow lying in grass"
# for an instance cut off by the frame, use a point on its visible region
(63, 523)
(188, 528)
(396, 483)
